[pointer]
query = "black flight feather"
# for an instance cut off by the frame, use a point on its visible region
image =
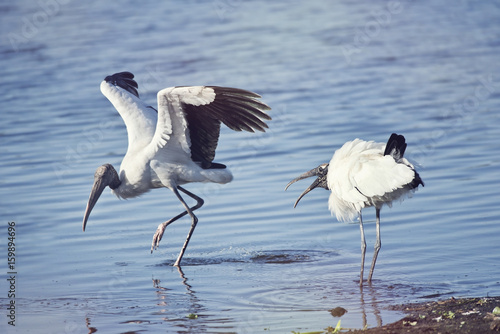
(238, 109)
(124, 80)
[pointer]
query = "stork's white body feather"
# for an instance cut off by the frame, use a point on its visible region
(362, 176)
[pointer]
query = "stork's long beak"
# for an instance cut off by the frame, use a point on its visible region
(321, 172)
(96, 192)
(104, 176)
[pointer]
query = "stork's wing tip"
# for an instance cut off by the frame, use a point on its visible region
(265, 107)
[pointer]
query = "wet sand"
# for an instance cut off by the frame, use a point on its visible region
(462, 315)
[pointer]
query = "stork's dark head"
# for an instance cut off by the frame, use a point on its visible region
(321, 181)
(104, 176)
(124, 80)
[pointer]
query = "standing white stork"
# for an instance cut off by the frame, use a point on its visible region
(363, 174)
(175, 144)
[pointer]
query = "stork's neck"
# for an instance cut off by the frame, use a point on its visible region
(114, 179)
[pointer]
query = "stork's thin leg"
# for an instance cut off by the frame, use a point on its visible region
(363, 249)
(161, 228)
(378, 244)
(194, 219)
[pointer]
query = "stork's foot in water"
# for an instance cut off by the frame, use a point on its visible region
(158, 235)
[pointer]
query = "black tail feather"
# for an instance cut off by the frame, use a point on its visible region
(416, 181)
(396, 146)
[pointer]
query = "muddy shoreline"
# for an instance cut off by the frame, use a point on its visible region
(453, 315)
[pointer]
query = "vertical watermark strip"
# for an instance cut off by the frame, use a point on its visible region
(11, 273)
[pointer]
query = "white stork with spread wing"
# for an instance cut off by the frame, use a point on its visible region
(175, 144)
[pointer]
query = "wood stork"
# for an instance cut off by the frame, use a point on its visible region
(175, 144)
(363, 174)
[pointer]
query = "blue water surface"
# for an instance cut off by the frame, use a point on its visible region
(331, 71)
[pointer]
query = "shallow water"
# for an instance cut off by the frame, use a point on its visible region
(331, 72)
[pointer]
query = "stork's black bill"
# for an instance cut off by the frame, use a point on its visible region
(124, 80)
(104, 176)
(321, 181)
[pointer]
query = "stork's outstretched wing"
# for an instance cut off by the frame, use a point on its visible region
(191, 116)
(140, 119)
